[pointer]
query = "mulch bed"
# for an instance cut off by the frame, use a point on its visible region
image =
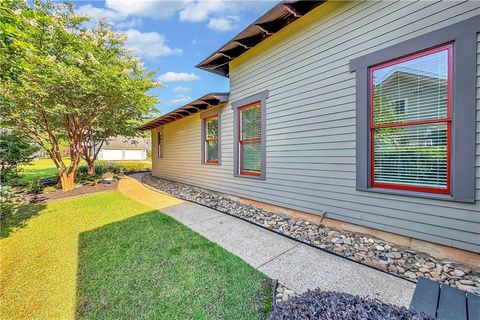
(83, 190)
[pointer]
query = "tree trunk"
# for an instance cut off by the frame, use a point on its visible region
(67, 181)
(91, 167)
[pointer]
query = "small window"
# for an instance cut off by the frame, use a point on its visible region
(160, 144)
(250, 138)
(211, 139)
(410, 145)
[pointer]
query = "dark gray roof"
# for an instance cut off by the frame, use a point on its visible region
(274, 20)
(126, 143)
(205, 102)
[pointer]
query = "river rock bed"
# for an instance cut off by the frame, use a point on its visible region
(282, 294)
(405, 262)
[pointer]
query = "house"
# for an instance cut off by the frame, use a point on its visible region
(125, 148)
(367, 111)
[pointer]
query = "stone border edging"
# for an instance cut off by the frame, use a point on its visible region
(274, 294)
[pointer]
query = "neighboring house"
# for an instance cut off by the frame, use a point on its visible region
(368, 111)
(124, 148)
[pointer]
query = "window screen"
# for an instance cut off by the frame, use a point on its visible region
(411, 121)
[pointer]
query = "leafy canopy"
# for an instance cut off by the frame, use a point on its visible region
(74, 81)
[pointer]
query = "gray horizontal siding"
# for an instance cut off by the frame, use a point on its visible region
(311, 124)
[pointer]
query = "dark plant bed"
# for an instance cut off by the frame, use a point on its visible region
(78, 191)
(318, 304)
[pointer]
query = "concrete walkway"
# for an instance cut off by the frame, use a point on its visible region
(295, 265)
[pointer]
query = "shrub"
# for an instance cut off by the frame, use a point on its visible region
(34, 186)
(8, 201)
(108, 176)
(49, 189)
(15, 150)
(133, 166)
(318, 304)
(100, 169)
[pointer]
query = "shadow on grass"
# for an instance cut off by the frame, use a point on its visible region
(17, 220)
(152, 267)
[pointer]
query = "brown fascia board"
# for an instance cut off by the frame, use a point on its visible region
(274, 20)
(200, 104)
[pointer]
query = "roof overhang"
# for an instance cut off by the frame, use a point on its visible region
(271, 22)
(205, 102)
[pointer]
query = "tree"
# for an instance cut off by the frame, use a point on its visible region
(15, 150)
(75, 81)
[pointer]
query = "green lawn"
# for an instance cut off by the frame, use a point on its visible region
(106, 256)
(38, 169)
(45, 168)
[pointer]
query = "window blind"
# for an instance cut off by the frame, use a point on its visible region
(410, 124)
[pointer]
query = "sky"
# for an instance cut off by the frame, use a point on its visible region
(172, 37)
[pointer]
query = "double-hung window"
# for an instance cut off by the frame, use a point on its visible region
(211, 139)
(250, 138)
(411, 144)
(159, 144)
(415, 115)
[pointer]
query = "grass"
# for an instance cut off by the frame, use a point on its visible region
(106, 256)
(39, 169)
(45, 168)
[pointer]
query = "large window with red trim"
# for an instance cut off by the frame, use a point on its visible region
(250, 137)
(211, 139)
(411, 121)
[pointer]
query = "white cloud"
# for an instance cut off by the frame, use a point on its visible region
(149, 44)
(200, 10)
(146, 8)
(96, 13)
(180, 89)
(179, 99)
(218, 13)
(171, 76)
(223, 23)
(129, 24)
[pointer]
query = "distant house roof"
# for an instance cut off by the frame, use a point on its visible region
(205, 102)
(125, 143)
(409, 72)
(271, 22)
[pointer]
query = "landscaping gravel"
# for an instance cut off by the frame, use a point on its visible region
(383, 255)
(319, 304)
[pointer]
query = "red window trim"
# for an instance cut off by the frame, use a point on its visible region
(447, 120)
(206, 119)
(249, 140)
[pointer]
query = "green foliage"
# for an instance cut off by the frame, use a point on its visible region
(76, 84)
(15, 150)
(384, 112)
(108, 176)
(131, 166)
(101, 168)
(34, 186)
(15, 18)
(49, 189)
(8, 201)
